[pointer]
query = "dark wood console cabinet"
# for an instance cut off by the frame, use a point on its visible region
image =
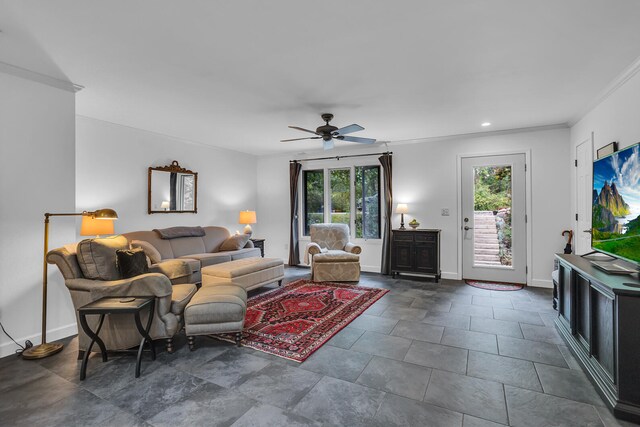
(415, 252)
(599, 318)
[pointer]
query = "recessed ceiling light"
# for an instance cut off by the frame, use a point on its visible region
(485, 124)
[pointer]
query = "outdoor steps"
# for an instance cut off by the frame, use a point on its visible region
(486, 247)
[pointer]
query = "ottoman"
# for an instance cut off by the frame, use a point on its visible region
(249, 273)
(338, 266)
(215, 310)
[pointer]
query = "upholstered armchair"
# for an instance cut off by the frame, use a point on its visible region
(332, 255)
(120, 332)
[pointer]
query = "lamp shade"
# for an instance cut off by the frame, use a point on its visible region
(402, 208)
(104, 214)
(95, 227)
(247, 217)
(165, 205)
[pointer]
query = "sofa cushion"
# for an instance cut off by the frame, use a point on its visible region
(213, 238)
(184, 246)
(131, 262)
(235, 242)
(210, 259)
(181, 296)
(172, 268)
(244, 253)
(335, 256)
(97, 257)
(148, 249)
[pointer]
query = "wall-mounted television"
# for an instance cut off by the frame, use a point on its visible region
(616, 204)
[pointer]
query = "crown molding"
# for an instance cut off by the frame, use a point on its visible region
(478, 134)
(615, 84)
(39, 78)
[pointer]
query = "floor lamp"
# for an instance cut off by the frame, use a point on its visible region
(46, 349)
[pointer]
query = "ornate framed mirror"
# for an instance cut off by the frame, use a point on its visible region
(172, 189)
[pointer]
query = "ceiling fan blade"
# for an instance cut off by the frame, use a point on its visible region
(327, 145)
(303, 129)
(299, 139)
(348, 129)
(359, 140)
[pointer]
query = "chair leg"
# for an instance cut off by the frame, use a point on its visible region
(80, 354)
(238, 338)
(280, 282)
(192, 342)
(169, 345)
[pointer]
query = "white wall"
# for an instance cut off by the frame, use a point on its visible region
(425, 177)
(111, 171)
(37, 143)
(614, 119)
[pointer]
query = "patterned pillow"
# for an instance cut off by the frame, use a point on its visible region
(132, 262)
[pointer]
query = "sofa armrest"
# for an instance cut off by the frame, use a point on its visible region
(313, 248)
(354, 249)
(151, 284)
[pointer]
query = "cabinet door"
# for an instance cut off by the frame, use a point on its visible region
(583, 310)
(565, 294)
(402, 256)
(426, 258)
(603, 325)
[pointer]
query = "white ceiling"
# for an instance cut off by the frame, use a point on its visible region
(234, 74)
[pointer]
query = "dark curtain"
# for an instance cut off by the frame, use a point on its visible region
(294, 175)
(173, 180)
(385, 161)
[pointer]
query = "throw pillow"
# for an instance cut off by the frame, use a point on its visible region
(148, 249)
(132, 262)
(235, 242)
(97, 257)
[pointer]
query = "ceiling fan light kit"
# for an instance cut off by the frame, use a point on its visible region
(329, 132)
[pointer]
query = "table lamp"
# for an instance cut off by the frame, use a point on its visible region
(165, 205)
(46, 349)
(402, 209)
(247, 217)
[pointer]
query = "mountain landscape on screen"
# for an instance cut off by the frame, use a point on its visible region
(616, 204)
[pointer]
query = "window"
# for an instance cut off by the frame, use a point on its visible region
(367, 185)
(340, 196)
(313, 198)
(353, 198)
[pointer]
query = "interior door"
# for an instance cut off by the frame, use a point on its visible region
(493, 218)
(584, 190)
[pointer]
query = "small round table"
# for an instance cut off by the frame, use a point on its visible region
(116, 305)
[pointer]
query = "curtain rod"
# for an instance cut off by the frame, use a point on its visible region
(339, 157)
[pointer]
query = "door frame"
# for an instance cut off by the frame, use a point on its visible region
(527, 203)
(589, 140)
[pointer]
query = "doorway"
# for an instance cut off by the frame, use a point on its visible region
(494, 218)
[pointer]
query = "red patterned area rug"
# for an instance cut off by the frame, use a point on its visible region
(296, 320)
(495, 286)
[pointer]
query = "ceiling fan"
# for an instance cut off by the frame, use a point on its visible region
(328, 133)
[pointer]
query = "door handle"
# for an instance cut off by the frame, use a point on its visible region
(588, 231)
(466, 227)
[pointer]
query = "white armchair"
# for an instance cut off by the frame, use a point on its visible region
(332, 256)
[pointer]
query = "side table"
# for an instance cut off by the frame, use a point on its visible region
(259, 243)
(116, 305)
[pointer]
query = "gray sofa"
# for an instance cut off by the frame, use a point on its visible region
(198, 252)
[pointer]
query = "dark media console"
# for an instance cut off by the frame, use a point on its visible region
(599, 318)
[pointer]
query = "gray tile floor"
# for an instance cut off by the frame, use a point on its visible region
(426, 354)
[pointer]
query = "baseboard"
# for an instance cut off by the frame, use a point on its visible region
(370, 268)
(449, 275)
(537, 283)
(9, 348)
